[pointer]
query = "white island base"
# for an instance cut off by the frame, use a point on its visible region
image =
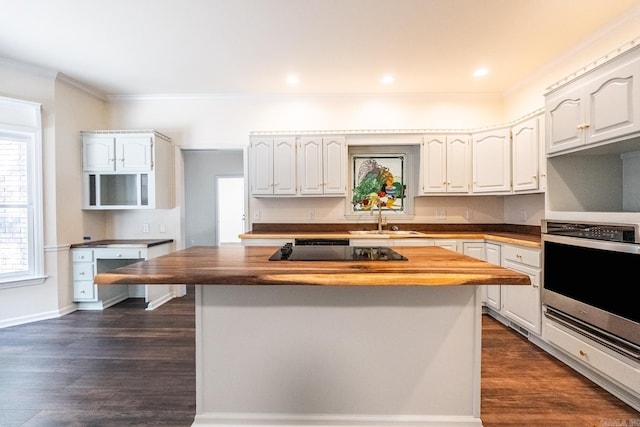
(338, 355)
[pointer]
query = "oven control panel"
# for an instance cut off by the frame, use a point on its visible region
(624, 233)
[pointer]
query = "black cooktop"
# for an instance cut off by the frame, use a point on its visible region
(336, 253)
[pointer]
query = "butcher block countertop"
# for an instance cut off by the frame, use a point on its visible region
(249, 265)
(121, 243)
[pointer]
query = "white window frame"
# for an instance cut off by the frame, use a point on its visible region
(22, 121)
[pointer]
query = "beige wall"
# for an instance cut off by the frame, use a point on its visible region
(65, 110)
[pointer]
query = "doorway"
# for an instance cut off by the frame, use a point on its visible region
(201, 206)
(230, 205)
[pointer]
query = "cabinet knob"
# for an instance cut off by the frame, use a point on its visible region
(583, 353)
(82, 273)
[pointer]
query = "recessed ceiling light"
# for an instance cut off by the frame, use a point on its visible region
(388, 79)
(293, 79)
(480, 72)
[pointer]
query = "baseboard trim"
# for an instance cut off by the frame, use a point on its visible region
(37, 316)
(291, 420)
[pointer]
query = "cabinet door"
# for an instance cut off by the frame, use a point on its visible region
(492, 297)
(613, 104)
(452, 245)
(133, 153)
(526, 155)
(310, 173)
(522, 303)
(474, 249)
(261, 166)
(434, 164)
(98, 154)
(334, 165)
(458, 164)
(492, 161)
(564, 116)
(284, 165)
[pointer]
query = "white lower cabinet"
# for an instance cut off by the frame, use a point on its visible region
(492, 297)
(521, 304)
(489, 252)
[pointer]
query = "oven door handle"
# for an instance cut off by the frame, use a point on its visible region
(630, 248)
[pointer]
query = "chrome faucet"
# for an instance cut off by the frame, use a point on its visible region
(381, 220)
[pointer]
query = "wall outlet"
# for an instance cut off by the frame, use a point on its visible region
(256, 214)
(146, 228)
(311, 214)
(441, 213)
(468, 214)
(523, 215)
(163, 228)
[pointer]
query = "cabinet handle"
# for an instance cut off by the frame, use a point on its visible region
(583, 353)
(82, 273)
(119, 255)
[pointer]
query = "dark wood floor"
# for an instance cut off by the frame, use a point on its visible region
(129, 367)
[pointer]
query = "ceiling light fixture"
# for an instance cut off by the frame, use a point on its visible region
(480, 72)
(388, 79)
(292, 80)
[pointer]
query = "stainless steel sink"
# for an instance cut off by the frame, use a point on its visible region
(385, 232)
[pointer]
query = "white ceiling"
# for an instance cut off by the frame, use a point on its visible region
(178, 47)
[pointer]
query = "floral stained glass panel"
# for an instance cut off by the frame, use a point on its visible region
(378, 182)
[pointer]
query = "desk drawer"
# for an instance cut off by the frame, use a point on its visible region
(117, 253)
(83, 271)
(84, 290)
(82, 255)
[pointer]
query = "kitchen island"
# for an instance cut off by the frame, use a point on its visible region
(331, 343)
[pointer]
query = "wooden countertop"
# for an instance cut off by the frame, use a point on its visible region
(528, 240)
(122, 243)
(249, 265)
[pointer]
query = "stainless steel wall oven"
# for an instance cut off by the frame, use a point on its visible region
(591, 278)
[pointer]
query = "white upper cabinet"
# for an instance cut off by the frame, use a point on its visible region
(492, 161)
(127, 170)
(284, 165)
(273, 166)
(308, 166)
(121, 153)
(322, 165)
(335, 165)
(445, 164)
(526, 155)
(602, 105)
(310, 172)
(261, 161)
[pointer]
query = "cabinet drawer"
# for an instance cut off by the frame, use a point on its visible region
(83, 271)
(627, 374)
(83, 290)
(117, 253)
(82, 255)
(521, 255)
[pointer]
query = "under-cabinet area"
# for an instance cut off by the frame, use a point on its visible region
(600, 179)
(127, 170)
